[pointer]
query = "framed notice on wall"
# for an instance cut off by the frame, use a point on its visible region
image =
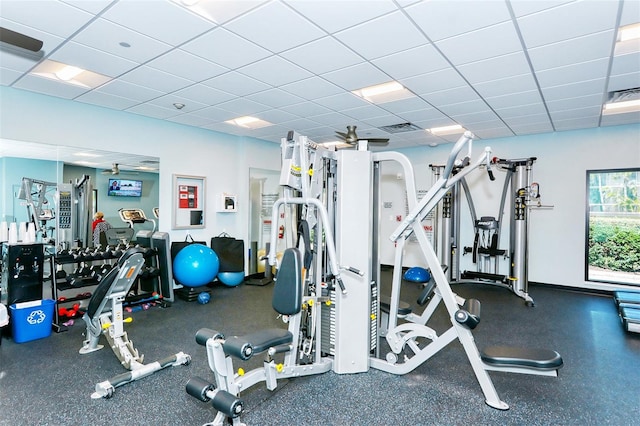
(188, 202)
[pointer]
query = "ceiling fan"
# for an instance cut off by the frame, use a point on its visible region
(19, 43)
(115, 170)
(352, 138)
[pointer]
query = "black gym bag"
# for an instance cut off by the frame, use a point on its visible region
(230, 252)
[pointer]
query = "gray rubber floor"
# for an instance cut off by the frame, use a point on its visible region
(47, 382)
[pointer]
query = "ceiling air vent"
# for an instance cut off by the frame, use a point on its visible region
(625, 95)
(400, 128)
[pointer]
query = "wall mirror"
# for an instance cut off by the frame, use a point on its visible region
(57, 164)
(264, 190)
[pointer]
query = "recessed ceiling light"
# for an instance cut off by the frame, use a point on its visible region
(249, 122)
(446, 130)
(382, 93)
(69, 74)
(621, 107)
(85, 154)
(629, 32)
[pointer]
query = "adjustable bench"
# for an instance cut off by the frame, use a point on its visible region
(104, 315)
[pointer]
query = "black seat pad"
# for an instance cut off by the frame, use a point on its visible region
(259, 341)
(537, 359)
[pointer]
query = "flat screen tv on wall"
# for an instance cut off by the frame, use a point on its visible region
(125, 188)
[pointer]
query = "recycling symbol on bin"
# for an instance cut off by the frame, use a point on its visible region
(36, 317)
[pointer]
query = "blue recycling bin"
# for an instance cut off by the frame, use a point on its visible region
(31, 320)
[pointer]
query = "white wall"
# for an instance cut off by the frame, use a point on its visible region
(223, 159)
(557, 236)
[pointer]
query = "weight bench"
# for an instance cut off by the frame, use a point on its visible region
(104, 315)
(287, 301)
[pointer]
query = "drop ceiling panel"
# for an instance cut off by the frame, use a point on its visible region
(233, 51)
(575, 50)
(441, 19)
(275, 71)
(412, 62)
(107, 36)
(568, 21)
(93, 59)
(574, 124)
(186, 65)
(165, 21)
(495, 68)
(497, 40)
(275, 27)
(323, 55)
(370, 41)
(288, 61)
(336, 15)
(51, 17)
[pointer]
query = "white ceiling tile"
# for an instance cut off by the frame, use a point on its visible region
(203, 94)
(168, 101)
(462, 108)
(231, 51)
(619, 119)
(630, 13)
(514, 99)
(496, 40)
(526, 7)
(153, 111)
(526, 120)
(422, 115)
(275, 71)
(589, 112)
(107, 36)
(221, 11)
(186, 65)
(165, 21)
(92, 59)
(336, 15)
(243, 106)
(357, 76)
(155, 79)
(49, 87)
(341, 101)
(521, 110)
(444, 19)
(505, 86)
(568, 21)
(305, 109)
(275, 27)
(385, 120)
(323, 55)
(215, 114)
(7, 76)
(129, 90)
(575, 123)
(447, 78)
(451, 96)
(411, 62)
(52, 17)
(300, 123)
(237, 84)
(333, 119)
(276, 116)
(475, 117)
(574, 90)
(572, 73)
(625, 64)
(575, 103)
(495, 68)
(410, 104)
(624, 81)
(498, 132)
(575, 50)
(106, 100)
(275, 98)
(369, 41)
(190, 120)
(311, 88)
(93, 6)
(367, 111)
(532, 128)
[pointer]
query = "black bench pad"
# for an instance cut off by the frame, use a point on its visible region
(403, 307)
(244, 347)
(536, 359)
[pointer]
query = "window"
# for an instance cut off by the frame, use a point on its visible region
(613, 226)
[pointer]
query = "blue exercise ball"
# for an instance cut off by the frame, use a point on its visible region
(195, 265)
(417, 274)
(231, 279)
(203, 298)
